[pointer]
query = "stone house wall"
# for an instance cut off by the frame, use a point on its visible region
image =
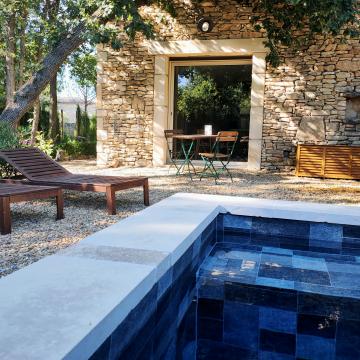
(305, 97)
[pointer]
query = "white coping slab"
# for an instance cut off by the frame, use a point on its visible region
(66, 305)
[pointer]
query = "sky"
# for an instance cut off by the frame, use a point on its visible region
(69, 88)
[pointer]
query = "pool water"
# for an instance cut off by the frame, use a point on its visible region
(269, 296)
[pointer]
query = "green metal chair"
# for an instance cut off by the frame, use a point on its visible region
(221, 152)
(173, 147)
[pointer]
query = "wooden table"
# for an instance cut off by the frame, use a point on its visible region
(11, 192)
(187, 147)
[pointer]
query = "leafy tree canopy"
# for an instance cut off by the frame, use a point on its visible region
(286, 23)
(295, 23)
(83, 68)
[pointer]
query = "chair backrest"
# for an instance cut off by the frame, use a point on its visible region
(224, 136)
(32, 163)
(225, 142)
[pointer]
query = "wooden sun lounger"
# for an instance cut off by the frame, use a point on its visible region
(10, 193)
(40, 169)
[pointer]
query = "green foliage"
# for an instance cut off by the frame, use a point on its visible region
(283, 19)
(83, 68)
(78, 121)
(203, 98)
(77, 147)
(198, 97)
(85, 126)
(44, 144)
(9, 139)
(92, 129)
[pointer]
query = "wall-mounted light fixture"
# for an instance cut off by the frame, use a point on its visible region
(205, 25)
(286, 154)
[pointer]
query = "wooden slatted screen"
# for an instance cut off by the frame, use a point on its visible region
(328, 161)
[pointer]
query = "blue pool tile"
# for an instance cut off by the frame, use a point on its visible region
(339, 307)
(274, 250)
(343, 267)
(278, 342)
(312, 277)
(350, 251)
(211, 288)
(184, 306)
(277, 320)
(210, 308)
(140, 319)
(163, 338)
(187, 351)
(236, 238)
(276, 271)
(102, 353)
(315, 325)
(315, 348)
(183, 263)
(281, 227)
(308, 263)
(277, 283)
(220, 228)
(326, 232)
(351, 231)
(164, 283)
(139, 351)
(242, 268)
(241, 325)
(237, 222)
(269, 355)
(261, 295)
(295, 243)
(325, 250)
(345, 280)
(139, 341)
(348, 340)
(351, 243)
(196, 247)
(326, 290)
(213, 263)
(213, 350)
(210, 329)
(238, 254)
(265, 239)
(277, 260)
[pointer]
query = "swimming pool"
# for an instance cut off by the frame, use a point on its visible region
(195, 276)
(255, 288)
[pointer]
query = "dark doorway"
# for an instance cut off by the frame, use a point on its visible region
(217, 95)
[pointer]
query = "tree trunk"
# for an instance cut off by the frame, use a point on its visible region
(10, 60)
(31, 90)
(36, 120)
(86, 100)
(54, 120)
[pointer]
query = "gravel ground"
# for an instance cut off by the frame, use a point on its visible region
(37, 234)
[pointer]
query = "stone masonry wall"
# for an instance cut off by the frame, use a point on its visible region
(305, 98)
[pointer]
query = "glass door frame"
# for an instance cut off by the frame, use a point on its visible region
(199, 62)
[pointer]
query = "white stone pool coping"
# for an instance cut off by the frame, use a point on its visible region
(67, 304)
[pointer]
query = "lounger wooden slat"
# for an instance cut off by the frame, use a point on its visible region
(16, 192)
(40, 169)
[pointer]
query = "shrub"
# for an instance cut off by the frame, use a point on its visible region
(9, 139)
(45, 145)
(77, 147)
